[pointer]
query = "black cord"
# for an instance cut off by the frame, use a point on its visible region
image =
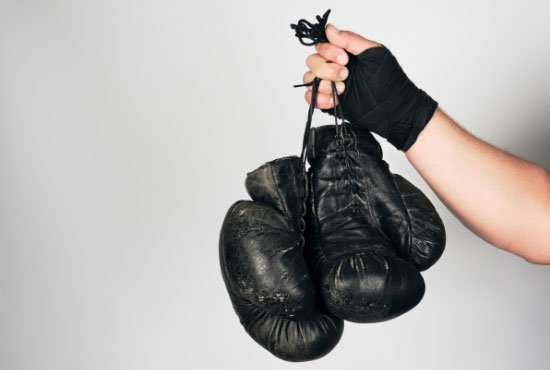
(314, 32)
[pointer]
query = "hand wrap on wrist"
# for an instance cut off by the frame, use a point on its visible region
(381, 98)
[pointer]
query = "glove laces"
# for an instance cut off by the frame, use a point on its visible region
(316, 34)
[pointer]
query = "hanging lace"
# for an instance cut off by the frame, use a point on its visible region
(316, 34)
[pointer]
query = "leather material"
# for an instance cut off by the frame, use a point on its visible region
(370, 232)
(264, 270)
(381, 98)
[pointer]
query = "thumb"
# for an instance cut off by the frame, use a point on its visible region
(348, 40)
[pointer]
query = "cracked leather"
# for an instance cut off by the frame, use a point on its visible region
(369, 232)
(261, 253)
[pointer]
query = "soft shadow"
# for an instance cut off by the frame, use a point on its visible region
(530, 138)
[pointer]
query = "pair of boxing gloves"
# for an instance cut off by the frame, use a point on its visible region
(348, 241)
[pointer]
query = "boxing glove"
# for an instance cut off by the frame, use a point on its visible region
(370, 232)
(262, 262)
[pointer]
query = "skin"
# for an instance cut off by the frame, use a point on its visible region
(503, 199)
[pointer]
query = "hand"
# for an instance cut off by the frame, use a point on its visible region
(377, 95)
(329, 63)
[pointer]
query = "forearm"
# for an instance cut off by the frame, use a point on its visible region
(503, 199)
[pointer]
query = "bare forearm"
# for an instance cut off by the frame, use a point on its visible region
(503, 199)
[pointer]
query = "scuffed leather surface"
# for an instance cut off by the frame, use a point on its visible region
(369, 232)
(381, 98)
(264, 270)
(427, 231)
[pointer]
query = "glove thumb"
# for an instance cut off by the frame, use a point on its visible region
(348, 40)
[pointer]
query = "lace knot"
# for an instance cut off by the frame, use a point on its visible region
(313, 32)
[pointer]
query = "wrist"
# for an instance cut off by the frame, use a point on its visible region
(426, 108)
(429, 133)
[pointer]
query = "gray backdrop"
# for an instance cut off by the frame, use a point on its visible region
(126, 131)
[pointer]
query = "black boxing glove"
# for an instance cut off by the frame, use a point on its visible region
(264, 270)
(381, 98)
(369, 232)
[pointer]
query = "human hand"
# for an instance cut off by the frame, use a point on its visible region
(329, 63)
(376, 95)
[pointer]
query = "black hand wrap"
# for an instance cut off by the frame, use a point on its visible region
(378, 96)
(381, 98)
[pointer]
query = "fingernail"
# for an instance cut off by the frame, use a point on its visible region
(343, 73)
(336, 30)
(331, 101)
(341, 59)
(340, 86)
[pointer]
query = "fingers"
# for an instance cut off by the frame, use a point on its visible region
(326, 71)
(324, 101)
(325, 87)
(320, 64)
(352, 42)
(332, 53)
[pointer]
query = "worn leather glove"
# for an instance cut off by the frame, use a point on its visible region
(369, 232)
(264, 270)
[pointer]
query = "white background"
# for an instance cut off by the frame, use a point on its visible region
(126, 132)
